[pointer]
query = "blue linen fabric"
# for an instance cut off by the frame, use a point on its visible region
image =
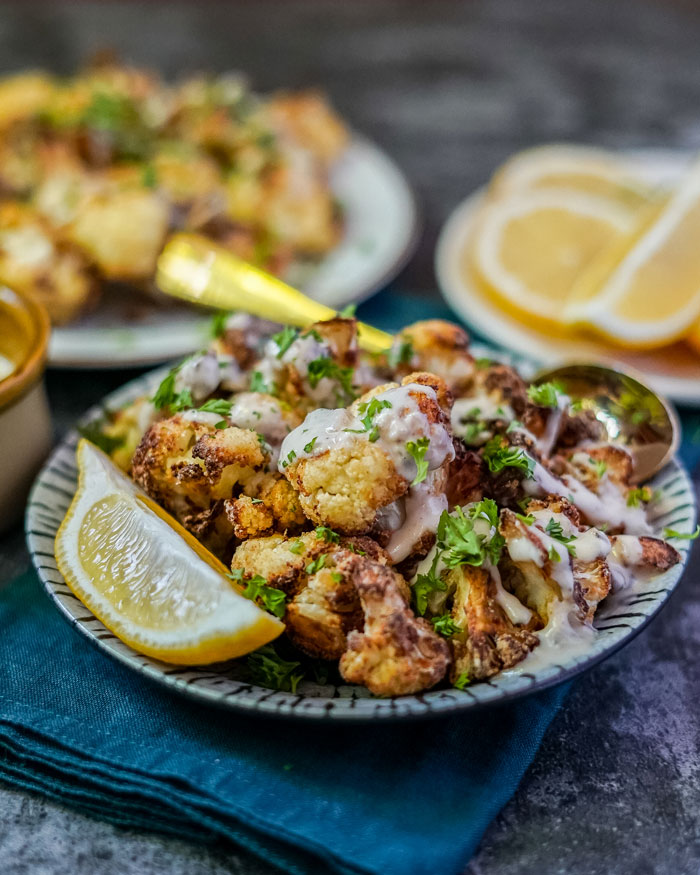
(396, 799)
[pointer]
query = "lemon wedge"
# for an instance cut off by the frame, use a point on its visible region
(530, 248)
(649, 294)
(582, 168)
(146, 578)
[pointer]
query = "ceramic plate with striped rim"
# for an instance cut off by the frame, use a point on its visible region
(617, 621)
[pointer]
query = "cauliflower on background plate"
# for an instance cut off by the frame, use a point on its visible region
(415, 518)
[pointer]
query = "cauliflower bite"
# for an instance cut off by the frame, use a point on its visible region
(190, 467)
(395, 653)
(350, 465)
(437, 347)
(487, 640)
(308, 120)
(324, 605)
(33, 259)
(122, 232)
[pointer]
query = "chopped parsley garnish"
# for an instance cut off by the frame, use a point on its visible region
(417, 450)
(149, 177)
(461, 681)
(445, 625)
(257, 590)
(472, 432)
(166, 396)
(544, 395)
(400, 353)
(218, 323)
(513, 425)
(485, 509)
(291, 456)
(318, 563)
(461, 543)
(554, 530)
(336, 576)
(217, 405)
(636, 496)
(425, 586)
(327, 367)
(93, 431)
(482, 363)
(499, 455)
(526, 519)
(311, 444)
(268, 669)
(682, 536)
(553, 554)
(353, 549)
(328, 535)
(368, 410)
(258, 384)
(257, 501)
(284, 339)
(348, 312)
(297, 547)
(600, 467)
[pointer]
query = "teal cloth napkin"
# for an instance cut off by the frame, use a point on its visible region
(396, 799)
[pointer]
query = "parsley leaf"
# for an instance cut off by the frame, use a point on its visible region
(297, 547)
(309, 447)
(166, 396)
(498, 455)
(273, 600)
(318, 563)
(485, 509)
(417, 450)
(218, 406)
(268, 669)
(348, 312)
(445, 625)
(527, 519)
(218, 323)
(258, 384)
(545, 395)
(682, 536)
(462, 544)
(554, 530)
(425, 586)
(553, 554)
(636, 496)
(369, 409)
(400, 353)
(327, 367)
(284, 339)
(353, 549)
(328, 535)
(600, 467)
(461, 681)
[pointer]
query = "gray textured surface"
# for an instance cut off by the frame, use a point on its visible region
(450, 89)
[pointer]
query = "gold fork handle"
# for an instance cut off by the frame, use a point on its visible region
(197, 270)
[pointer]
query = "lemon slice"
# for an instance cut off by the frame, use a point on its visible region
(650, 295)
(146, 578)
(591, 171)
(529, 249)
(693, 337)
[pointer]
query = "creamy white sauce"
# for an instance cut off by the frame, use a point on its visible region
(231, 377)
(513, 608)
(546, 443)
(627, 549)
(478, 408)
(201, 416)
(423, 509)
(608, 507)
(201, 375)
(263, 415)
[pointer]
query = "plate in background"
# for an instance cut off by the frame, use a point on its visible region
(381, 230)
(618, 619)
(673, 371)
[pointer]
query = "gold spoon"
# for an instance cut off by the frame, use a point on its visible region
(631, 413)
(197, 270)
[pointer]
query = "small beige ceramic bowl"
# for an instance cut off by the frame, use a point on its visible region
(25, 423)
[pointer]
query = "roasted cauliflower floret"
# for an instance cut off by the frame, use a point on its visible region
(324, 604)
(349, 464)
(243, 337)
(308, 120)
(437, 347)
(33, 259)
(122, 232)
(632, 555)
(488, 641)
(189, 466)
(396, 653)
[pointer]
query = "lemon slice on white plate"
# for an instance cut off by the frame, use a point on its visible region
(649, 294)
(530, 248)
(147, 579)
(582, 168)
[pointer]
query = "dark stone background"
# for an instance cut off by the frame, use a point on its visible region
(449, 89)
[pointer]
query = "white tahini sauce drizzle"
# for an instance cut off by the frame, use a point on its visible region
(397, 424)
(546, 443)
(201, 375)
(262, 414)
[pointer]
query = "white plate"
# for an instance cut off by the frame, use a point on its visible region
(380, 233)
(673, 371)
(619, 618)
